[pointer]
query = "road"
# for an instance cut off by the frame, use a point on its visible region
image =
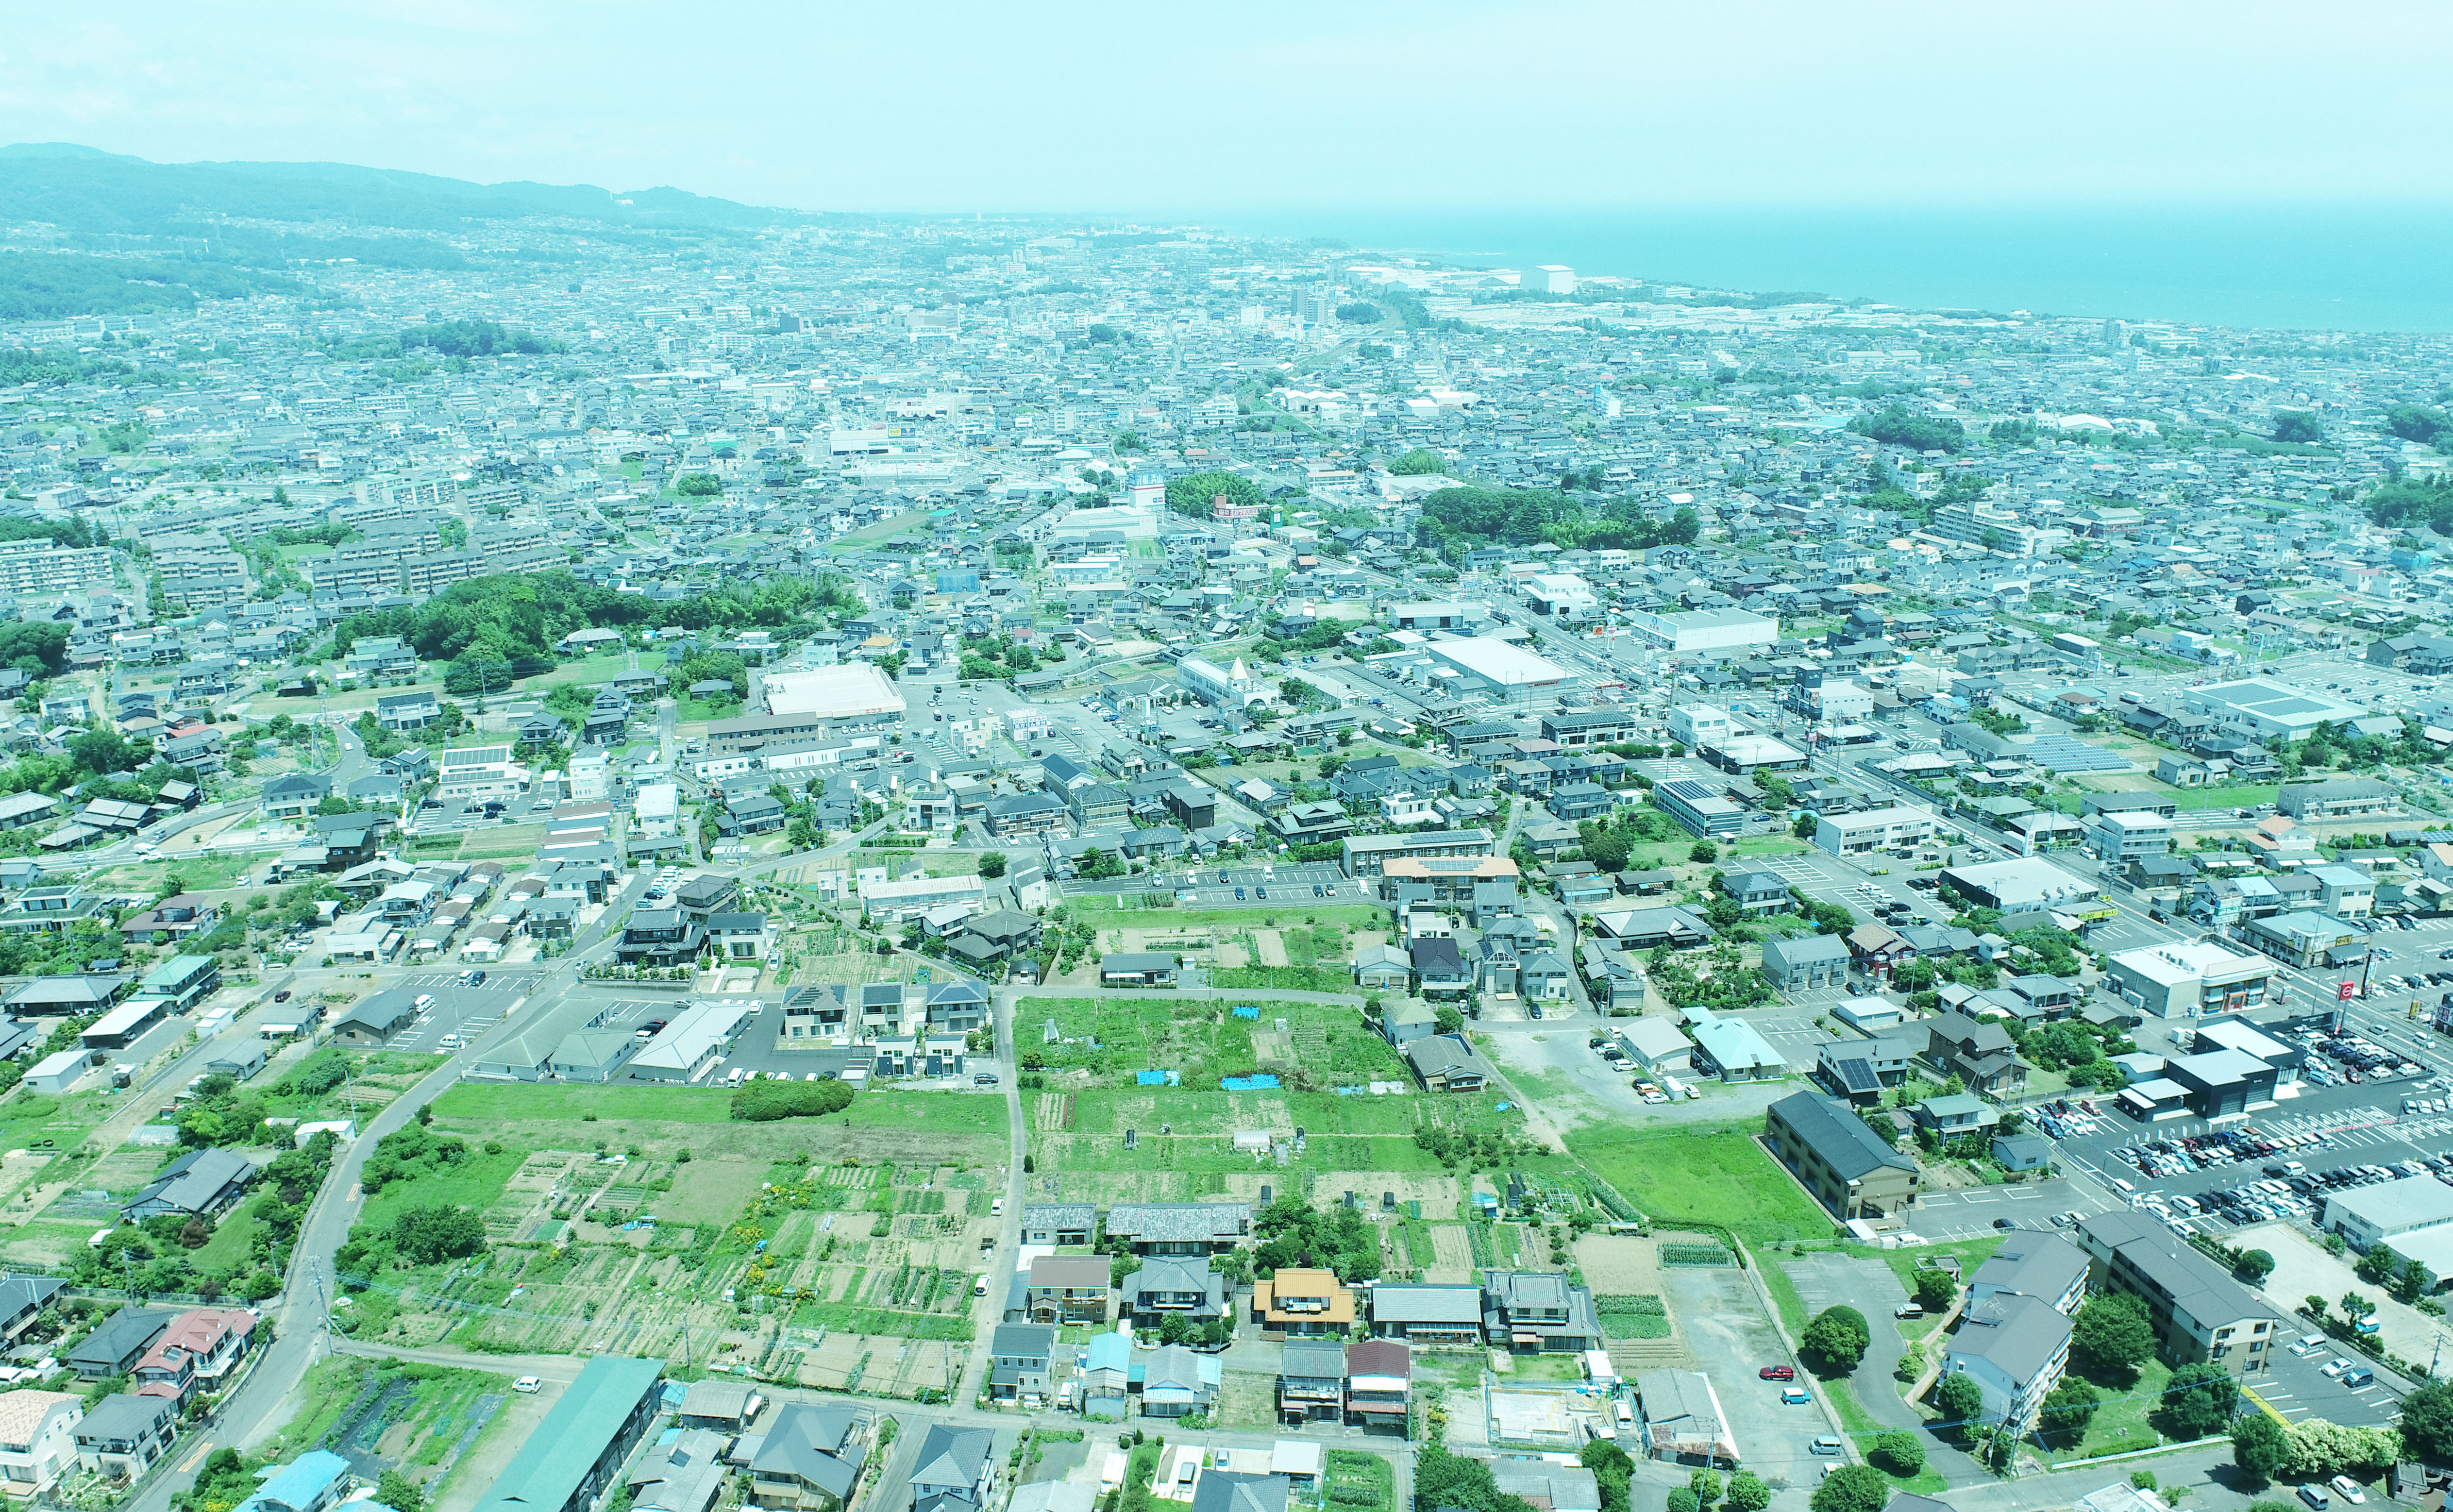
(263, 1403)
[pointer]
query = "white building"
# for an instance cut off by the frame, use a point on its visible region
(1498, 670)
(1704, 630)
(1976, 523)
(1222, 686)
(591, 777)
(1873, 829)
(2187, 979)
(659, 810)
(1561, 596)
(1695, 726)
(477, 774)
(1550, 278)
(2121, 834)
(914, 896)
(850, 693)
(2260, 706)
(37, 1437)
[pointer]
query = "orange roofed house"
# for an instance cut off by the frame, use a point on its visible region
(1301, 1305)
(194, 1353)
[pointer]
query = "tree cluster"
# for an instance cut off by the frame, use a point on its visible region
(763, 1100)
(1292, 1233)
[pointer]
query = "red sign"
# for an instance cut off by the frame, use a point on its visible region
(2342, 991)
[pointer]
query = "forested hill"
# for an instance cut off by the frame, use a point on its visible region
(81, 189)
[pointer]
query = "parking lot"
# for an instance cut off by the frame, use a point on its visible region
(462, 1010)
(1727, 1331)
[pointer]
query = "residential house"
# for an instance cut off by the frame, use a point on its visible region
(954, 1469)
(1176, 1382)
(1020, 1361)
(1980, 1054)
(1426, 1314)
(195, 1353)
(1311, 1380)
(809, 1458)
(37, 1439)
(1540, 1312)
(1379, 1382)
(1069, 1289)
(1300, 1303)
(201, 1183)
(1180, 1229)
(1446, 1063)
(121, 1437)
(1167, 1283)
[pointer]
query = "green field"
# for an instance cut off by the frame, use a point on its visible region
(1105, 909)
(1324, 1045)
(472, 1102)
(1708, 1175)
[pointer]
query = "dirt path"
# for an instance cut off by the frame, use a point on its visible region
(1272, 947)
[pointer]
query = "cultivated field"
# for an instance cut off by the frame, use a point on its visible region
(644, 1221)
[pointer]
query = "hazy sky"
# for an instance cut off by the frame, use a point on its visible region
(1265, 104)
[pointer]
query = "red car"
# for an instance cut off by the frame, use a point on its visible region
(1778, 1372)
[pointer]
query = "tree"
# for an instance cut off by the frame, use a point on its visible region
(2375, 1267)
(2298, 427)
(2356, 1307)
(1704, 850)
(2200, 1398)
(1836, 1339)
(2259, 1448)
(1804, 826)
(1961, 1401)
(1748, 1493)
(1612, 1469)
(1852, 1488)
(992, 865)
(2253, 1267)
(2315, 1306)
(2069, 1409)
(1898, 1453)
(2111, 1336)
(2427, 1420)
(698, 486)
(1417, 463)
(424, 1236)
(1175, 1328)
(395, 1491)
(1444, 1479)
(1935, 1290)
(2318, 1448)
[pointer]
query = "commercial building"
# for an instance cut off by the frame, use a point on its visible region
(1695, 726)
(1873, 829)
(2199, 1312)
(2262, 709)
(2027, 889)
(573, 1456)
(2307, 939)
(2191, 979)
(697, 1037)
(1497, 670)
(1728, 631)
(849, 695)
(1849, 1167)
(2412, 1216)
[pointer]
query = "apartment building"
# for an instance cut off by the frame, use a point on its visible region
(2199, 1312)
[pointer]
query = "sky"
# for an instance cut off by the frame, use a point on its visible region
(1265, 106)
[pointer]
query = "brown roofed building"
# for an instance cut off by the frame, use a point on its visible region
(1302, 1304)
(1069, 1289)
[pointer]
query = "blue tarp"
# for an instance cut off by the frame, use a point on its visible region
(1246, 1013)
(1250, 1083)
(1158, 1078)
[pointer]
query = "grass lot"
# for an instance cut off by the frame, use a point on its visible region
(1284, 979)
(1767, 845)
(592, 669)
(2121, 1421)
(472, 1102)
(886, 529)
(206, 871)
(1102, 910)
(1971, 1253)
(1702, 1175)
(233, 1241)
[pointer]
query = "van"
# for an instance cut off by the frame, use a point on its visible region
(425, 1001)
(980, 1287)
(1625, 1414)
(1827, 1444)
(2358, 1376)
(530, 1384)
(2314, 1497)
(738, 1072)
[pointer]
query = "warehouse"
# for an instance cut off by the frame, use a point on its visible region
(2027, 889)
(851, 695)
(1495, 668)
(575, 1452)
(697, 1037)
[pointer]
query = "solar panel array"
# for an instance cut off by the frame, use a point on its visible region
(2060, 753)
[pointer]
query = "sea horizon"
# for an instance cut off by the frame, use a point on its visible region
(2333, 268)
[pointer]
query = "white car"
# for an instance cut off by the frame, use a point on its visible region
(529, 1383)
(2347, 1488)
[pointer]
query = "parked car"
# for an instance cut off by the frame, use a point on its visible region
(1778, 1373)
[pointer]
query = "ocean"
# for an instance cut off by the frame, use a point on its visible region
(2373, 267)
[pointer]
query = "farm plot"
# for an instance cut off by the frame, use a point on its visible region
(1107, 1042)
(1159, 1131)
(611, 1228)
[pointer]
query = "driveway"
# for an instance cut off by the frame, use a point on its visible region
(1873, 1288)
(1725, 1329)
